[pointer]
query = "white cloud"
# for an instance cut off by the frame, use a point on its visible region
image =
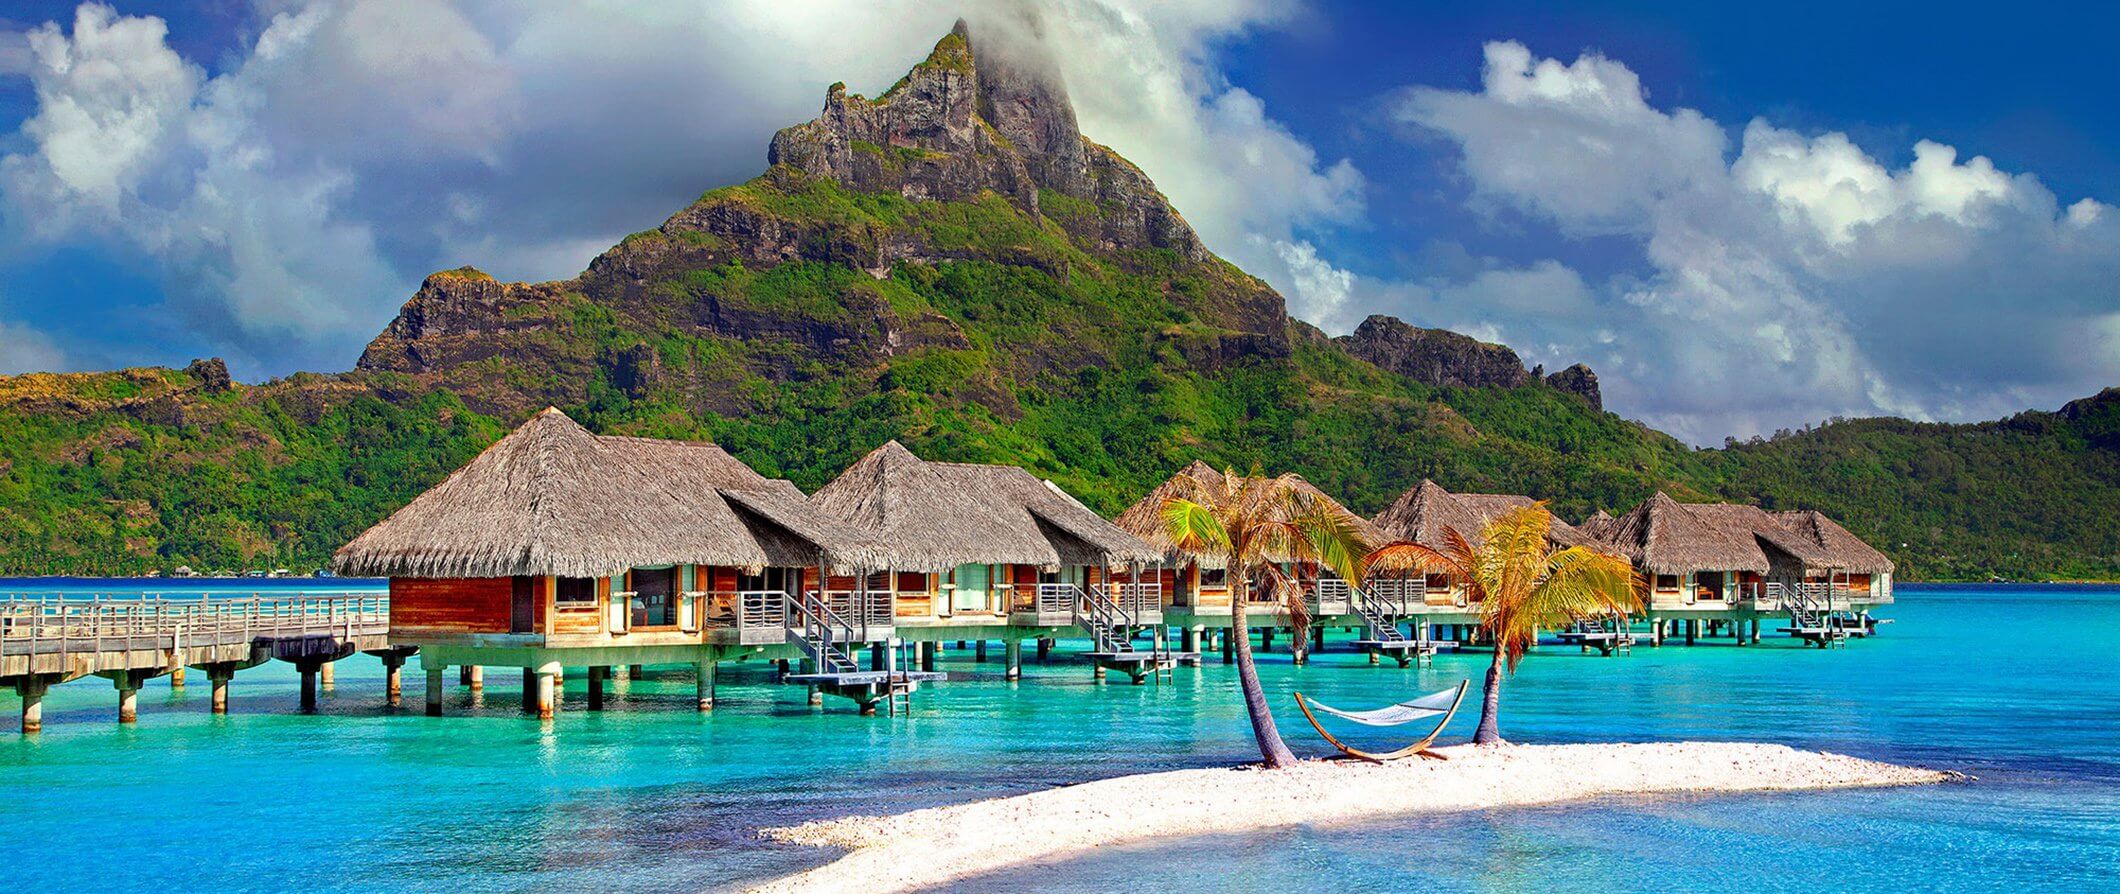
(1320, 292)
(24, 350)
(1800, 279)
(293, 199)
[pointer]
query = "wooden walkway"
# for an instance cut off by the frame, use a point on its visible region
(45, 641)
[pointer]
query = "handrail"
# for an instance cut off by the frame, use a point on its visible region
(815, 625)
(44, 624)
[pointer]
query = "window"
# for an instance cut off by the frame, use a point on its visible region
(1214, 577)
(575, 592)
(1667, 581)
(654, 597)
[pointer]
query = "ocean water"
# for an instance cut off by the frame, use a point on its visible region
(2017, 685)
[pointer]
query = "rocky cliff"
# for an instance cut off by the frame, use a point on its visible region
(972, 159)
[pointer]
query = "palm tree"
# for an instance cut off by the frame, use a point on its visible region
(1521, 583)
(1252, 524)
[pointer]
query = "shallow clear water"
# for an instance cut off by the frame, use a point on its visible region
(2014, 684)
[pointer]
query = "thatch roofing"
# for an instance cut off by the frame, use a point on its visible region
(1663, 537)
(1425, 511)
(934, 516)
(1144, 519)
(1740, 521)
(1595, 526)
(1843, 550)
(551, 498)
(1666, 536)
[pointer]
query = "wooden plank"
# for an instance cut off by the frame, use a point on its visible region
(451, 605)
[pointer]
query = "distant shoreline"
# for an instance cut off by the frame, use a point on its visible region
(913, 851)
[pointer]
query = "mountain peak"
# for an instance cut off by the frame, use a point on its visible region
(978, 116)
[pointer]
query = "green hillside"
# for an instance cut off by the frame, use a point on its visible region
(985, 287)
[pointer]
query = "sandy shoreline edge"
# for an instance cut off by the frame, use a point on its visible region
(909, 851)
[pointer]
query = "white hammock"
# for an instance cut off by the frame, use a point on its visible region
(1444, 703)
(1429, 705)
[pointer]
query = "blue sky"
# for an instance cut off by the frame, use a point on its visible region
(1743, 218)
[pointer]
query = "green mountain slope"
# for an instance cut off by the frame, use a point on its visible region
(952, 264)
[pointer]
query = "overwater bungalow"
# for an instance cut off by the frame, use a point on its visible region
(556, 547)
(1424, 514)
(1728, 565)
(979, 552)
(1198, 593)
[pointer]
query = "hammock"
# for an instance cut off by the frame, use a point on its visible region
(1444, 703)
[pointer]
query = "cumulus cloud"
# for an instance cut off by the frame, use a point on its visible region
(1798, 279)
(291, 199)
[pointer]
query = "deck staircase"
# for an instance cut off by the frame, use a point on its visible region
(1611, 634)
(825, 636)
(1811, 615)
(829, 640)
(1111, 628)
(1381, 605)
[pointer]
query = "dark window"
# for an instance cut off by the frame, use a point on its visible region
(1667, 581)
(775, 579)
(1214, 577)
(654, 597)
(522, 615)
(576, 591)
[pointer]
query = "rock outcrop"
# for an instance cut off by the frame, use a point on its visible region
(962, 123)
(1580, 381)
(1437, 357)
(211, 373)
(1446, 359)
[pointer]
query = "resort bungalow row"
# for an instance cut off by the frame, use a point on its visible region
(557, 548)
(560, 548)
(1730, 565)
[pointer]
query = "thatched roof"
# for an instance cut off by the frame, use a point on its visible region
(1843, 550)
(1778, 540)
(933, 516)
(1144, 519)
(1424, 512)
(1680, 537)
(552, 499)
(1595, 526)
(1663, 537)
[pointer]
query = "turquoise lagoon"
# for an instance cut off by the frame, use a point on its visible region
(2018, 685)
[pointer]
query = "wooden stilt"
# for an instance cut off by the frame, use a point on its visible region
(327, 676)
(596, 686)
(176, 678)
(530, 705)
(128, 697)
(547, 683)
(218, 678)
(979, 654)
(309, 670)
(1012, 659)
(393, 681)
(704, 687)
(31, 689)
(434, 690)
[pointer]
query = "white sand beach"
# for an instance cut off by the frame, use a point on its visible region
(913, 850)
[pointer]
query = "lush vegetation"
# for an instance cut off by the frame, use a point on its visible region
(1081, 364)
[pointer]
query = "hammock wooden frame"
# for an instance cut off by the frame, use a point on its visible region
(1417, 749)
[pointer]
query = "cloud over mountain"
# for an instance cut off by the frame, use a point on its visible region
(1798, 278)
(290, 199)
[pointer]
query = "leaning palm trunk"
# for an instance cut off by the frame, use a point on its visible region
(1273, 752)
(1490, 728)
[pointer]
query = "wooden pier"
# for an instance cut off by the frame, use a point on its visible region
(45, 641)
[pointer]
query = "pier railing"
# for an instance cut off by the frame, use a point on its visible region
(43, 625)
